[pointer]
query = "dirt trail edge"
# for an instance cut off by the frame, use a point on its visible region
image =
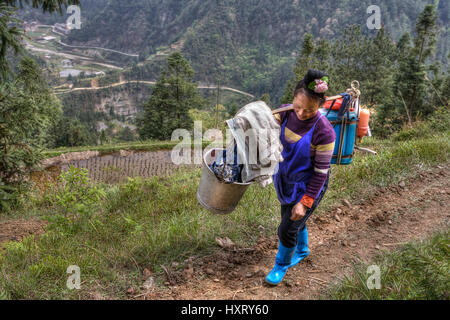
(16, 230)
(392, 216)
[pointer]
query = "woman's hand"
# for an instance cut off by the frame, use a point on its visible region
(298, 212)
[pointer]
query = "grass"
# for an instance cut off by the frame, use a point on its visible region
(113, 232)
(137, 225)
(416, 271)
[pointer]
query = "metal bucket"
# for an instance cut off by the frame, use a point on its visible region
(214, 195)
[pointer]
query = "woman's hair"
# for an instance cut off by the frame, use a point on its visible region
(304, 86)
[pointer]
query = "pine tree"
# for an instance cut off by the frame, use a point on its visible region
(126, 134)
(392, 113)
(266, 98)
(414, 94)
(306, 57)
(10, 36)
(302, 66)
(436, 90)
(103, 137)
(72, 133)
(32, 83)
(379, 69)
(424, 45)
(27, 109)
(322, 56)
(172, 97)
(347, 54)
(112, 114)
(289, 92)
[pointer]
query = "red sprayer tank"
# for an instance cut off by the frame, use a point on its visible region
(363, 125)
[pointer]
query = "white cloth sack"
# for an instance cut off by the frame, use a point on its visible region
(257, 135)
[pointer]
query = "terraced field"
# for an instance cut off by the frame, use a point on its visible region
(117, 167)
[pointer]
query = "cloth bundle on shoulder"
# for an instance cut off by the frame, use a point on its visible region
(256, 146)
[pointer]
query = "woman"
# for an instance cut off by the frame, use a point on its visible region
(302, 179)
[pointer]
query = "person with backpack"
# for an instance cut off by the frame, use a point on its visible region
(302, 178)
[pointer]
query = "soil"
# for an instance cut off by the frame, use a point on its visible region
(112, 168)
(16, 230)
(412, 210)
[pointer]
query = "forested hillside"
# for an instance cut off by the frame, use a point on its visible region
(260, 47)
(248, 44)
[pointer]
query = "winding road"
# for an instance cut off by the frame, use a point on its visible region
(72, 56)
(117, 84)
(91, 60)
(97, 48)
(83, 47)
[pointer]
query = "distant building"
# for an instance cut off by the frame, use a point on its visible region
(49, 38)
(66, 63)
(30, 26)
(71, 72)
(101, 126)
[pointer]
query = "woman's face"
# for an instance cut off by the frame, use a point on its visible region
(304, 107)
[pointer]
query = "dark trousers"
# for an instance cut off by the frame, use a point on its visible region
(288, 229)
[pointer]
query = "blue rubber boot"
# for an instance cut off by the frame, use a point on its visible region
(282, 263)
(301, 250)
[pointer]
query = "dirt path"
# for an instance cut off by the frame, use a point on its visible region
(98, 48)
(389, 218)
(152, 83)
(29, 46)
(16, 230)
(82, 47)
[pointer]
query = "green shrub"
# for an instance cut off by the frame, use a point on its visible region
(75, 199)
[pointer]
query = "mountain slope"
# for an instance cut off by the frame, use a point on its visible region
(248, 44)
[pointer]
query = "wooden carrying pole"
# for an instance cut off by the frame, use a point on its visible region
(292, 108)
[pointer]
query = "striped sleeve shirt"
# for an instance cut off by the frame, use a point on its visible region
(322, 146)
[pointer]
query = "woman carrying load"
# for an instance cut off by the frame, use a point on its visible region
(302, 178)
